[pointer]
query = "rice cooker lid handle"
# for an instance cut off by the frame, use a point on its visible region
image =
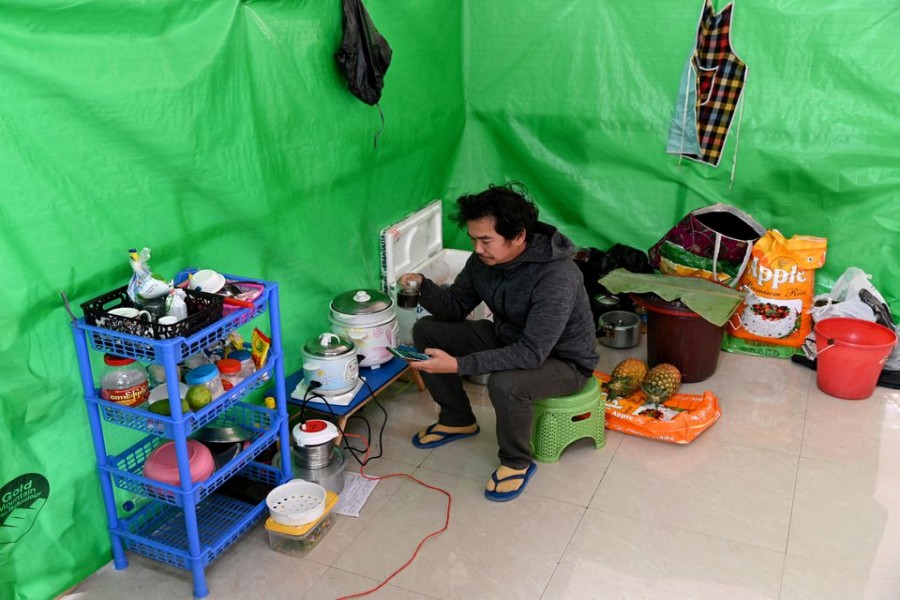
(361, 302)
(329, 344)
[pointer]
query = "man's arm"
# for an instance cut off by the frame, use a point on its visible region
(551, 307)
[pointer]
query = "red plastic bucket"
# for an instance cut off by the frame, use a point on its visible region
(850, 356)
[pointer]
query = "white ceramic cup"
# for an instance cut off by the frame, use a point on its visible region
(168, 320)
(129, 313)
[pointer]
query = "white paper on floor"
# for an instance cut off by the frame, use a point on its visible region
(354, 495)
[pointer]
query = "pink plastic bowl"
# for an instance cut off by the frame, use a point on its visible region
(162, 465)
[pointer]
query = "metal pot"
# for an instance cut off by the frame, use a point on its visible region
(332, 361)
(367, 317)
(619, 329)
(362, 307)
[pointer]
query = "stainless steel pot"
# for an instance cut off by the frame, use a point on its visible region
(619, 329)
(362, 307)
(367, 317)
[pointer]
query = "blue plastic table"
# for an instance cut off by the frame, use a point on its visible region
(378, 379)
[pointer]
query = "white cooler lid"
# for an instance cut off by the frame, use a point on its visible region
(406, 245)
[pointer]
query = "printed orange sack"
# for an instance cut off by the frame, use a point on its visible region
(682, 418)
(774, 318)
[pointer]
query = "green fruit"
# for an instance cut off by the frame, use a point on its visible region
(198, 396)
(161, 407)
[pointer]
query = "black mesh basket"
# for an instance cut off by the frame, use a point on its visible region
(203, 310)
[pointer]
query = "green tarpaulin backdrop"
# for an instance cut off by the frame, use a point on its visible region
(220, 134)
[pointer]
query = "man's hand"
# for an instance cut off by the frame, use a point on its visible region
(407, 278)
(440, 362)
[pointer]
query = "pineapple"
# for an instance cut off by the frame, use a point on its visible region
(661, 382)
(627, 377)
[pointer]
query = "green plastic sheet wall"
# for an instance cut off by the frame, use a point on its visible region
(220, 134)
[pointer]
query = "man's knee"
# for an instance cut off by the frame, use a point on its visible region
(423, 336)
(505, 385)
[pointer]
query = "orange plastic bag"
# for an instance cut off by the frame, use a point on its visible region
(687, 415)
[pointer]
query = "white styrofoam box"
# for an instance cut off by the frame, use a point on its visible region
(416, 245)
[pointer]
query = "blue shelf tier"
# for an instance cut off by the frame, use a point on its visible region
(146, 350)
(140, 419)
(158, 531)
(127, 468)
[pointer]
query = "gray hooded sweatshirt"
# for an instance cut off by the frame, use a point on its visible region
(539, 302)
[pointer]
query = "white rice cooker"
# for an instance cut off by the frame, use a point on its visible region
(332, 361)
(367, 318)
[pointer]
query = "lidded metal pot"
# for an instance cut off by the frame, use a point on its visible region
(368, 318)
(314, 443)
(331, 361)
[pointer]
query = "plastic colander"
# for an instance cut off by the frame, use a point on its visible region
(296, 502)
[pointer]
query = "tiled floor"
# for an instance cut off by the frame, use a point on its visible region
(791, 495)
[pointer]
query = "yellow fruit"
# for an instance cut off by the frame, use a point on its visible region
(662, 381)
(627, 377)
(198, 396)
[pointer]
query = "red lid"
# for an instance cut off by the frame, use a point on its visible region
(314, 425)
(116, 361)
(229, 366)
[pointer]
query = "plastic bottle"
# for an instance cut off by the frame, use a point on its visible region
(230, 372)
(124, 381)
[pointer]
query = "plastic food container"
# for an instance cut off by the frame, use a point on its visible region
(296, 502)
(229, 372)
(124, 381)
(299, 540)
(207, 375)
(245, 358)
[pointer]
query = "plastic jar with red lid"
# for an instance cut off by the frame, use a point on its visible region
(230, 372)
(124, 381)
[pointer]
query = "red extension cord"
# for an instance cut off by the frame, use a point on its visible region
(425, 539)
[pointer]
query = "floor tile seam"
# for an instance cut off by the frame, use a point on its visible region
(842, 565)
(317, 580)
(787, 538)
(748, 446)
(563, 554)
(605, 471)
(687, 530)
(858, 468)
(370, 518)
(456, 474)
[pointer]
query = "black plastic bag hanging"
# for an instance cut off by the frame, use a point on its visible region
(364, 55)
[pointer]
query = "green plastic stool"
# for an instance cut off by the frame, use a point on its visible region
(561, 420)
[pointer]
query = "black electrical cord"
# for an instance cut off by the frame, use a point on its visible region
(353, 451)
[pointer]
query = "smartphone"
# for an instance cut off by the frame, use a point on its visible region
(408, 353)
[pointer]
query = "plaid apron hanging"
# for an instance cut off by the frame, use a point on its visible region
(711, 88)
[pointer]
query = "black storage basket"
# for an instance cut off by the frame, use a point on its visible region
(203, 310)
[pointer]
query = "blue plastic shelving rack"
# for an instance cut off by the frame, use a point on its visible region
(185, 526)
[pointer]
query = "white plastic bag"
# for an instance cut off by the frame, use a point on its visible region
(144, 285)
(175, 305)
(843, 300)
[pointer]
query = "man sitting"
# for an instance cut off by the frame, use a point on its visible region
(540, 344)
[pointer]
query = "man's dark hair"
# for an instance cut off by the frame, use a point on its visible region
(508, 204)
